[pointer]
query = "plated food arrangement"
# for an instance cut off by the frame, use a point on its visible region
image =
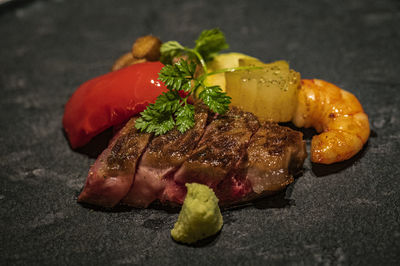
(191, 116)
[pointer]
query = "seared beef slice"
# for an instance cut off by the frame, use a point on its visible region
(275, 154)
(220, 149)
(111, 176)
(163, 157)
(234, 155)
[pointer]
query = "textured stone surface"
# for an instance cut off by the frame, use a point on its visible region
(342, 214)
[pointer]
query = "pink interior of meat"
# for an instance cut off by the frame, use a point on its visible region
(106, 192)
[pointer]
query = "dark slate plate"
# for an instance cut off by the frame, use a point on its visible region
(343, 214)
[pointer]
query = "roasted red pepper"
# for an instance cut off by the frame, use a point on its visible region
(110, 100)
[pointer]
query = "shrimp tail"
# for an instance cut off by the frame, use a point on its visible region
(337, 115)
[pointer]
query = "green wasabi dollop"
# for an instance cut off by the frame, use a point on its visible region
(200, 216)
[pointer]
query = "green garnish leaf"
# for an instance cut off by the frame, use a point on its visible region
(210, 42)
(169, 50)
(215, 99)
(185, 118)
(168, 102)
(154, 121)
(178, 76)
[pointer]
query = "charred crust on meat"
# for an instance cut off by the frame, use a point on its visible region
(275, 139)
(126, 150)
(277, 148)
(225, 139)
(176, 144)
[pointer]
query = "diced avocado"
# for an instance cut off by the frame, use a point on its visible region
(200, 216)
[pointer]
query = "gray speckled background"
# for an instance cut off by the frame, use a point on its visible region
(338, 215)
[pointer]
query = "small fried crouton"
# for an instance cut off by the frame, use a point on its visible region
(147, 47)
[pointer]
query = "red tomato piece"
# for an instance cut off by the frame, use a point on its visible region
(110, 100)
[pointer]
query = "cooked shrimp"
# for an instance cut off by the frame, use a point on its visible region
(337, 114)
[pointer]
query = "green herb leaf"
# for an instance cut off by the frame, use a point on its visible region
(215, 99)
(185, 118)
(178, 76)
(154, 121)
(169, 50)
(168, 102)
(210, 42)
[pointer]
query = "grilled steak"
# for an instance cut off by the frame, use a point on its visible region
(220, 149)
(239, 159)
(111, 176)
(275, 154)
(163, 157)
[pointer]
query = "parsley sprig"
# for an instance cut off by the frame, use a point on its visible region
(171, 109)
(208, 45)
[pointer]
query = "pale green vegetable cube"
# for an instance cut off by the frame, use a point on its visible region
(270, 92)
